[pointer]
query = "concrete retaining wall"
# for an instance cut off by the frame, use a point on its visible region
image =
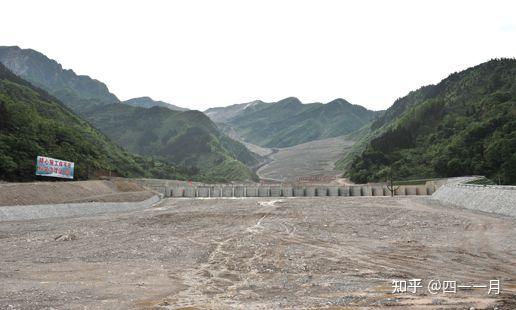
(490, 198)
(30, 212)
(287, 191)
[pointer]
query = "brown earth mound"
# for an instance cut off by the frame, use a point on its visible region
(12, 194)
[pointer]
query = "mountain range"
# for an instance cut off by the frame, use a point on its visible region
(289, 122)
(464, 125)
(147, 102)
(32, 123)
(188, 138)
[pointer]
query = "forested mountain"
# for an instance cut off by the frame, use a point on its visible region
(33, 123)
(289, 122)
(190, 138)
(465, 125)
(187, 138)
(76, 91)
(147, 102)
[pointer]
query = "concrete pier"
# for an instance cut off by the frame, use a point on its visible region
(367, 191)
(355, 191)
(275, 191)
(251, 192)
(310, 191)
(177, 192)
(299, 192)
(203, 192)
(216, 191)
(377, 191)
(287, 192)
(263, 191)
(333, 191)
(400, 191)
(227, 191)
(190, 192)
(240, 191)
(344, 191)
(410, 190)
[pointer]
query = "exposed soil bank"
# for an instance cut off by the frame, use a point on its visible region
(40, 193)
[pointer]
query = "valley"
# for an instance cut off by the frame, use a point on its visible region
(258, 155)
(314, 158)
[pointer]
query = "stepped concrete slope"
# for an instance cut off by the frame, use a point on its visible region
(26, 201)
(486, 198)
(30, 212)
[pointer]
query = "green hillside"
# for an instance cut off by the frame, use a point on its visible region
(187, 138)
(289, 122)
(465, 125)
(183, 139)
(34, 123)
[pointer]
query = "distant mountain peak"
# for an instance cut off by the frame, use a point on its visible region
(290, 100)
(253, 103)
(148, 102)
(289, 122)
(78, 92)
(340, 101)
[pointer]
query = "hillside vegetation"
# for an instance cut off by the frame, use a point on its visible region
(187, 139)
(76, 91)
(289, 122)
(465, 125)
(34, 123)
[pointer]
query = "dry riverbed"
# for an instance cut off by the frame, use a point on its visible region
(305, 160)
(310, 253)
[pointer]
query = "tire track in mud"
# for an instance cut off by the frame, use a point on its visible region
(215, 284)
(204, 283)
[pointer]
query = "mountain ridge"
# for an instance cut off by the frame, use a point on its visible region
(289, 122)
(32, 123)
(148, 102)
(464, 125)
(216, 160)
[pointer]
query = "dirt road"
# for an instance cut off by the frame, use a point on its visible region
(254, 253)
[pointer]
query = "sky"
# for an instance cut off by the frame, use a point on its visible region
(203, 53)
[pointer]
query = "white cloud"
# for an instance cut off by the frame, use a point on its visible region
(200, 54)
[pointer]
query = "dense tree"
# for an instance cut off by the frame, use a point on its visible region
(465, 125)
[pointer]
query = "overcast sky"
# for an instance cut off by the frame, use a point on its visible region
(200, 54)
